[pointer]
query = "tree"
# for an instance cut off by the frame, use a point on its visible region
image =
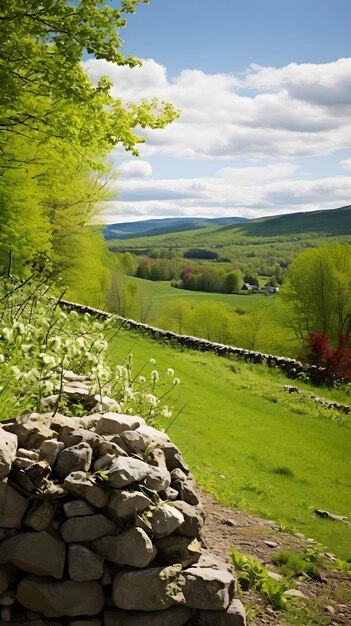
(232, 282)
(56, 130)
(317, 293)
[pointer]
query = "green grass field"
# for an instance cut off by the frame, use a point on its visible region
(161, 292)
(252, 445)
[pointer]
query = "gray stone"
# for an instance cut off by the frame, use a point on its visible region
(78, 508)
(151, 589)
(194, 518)
(8, 449)
(294, 593)
(58, 422)
(157, 436)
(212, 561)
(116, 423)
(31, 430)
(37, 553)
(132, 547)
(85, 486)
(185, 486)
(105, 403)
(40, 515)
(86, 528)
(12, 507)
(125, 504)
(174, 459)
(84, 564)
(165, 520)
(103, 462)
(170, 494)
(74, 459)
(89, 421)
(109, 447)
(39, 473)
(7, 576)
(59, 599)
(233, 616)
(135, 440)
(125, 471)
(49, 450)
(157, 479)
(174, 616)
(176, 549)
(25, 458)
(74, 437)
(207, 588)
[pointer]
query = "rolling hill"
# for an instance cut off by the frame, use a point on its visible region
(125, 230)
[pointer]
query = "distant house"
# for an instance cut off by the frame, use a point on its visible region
(246, 287)
(268, 288)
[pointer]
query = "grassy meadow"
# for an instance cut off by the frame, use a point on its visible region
(252, 445)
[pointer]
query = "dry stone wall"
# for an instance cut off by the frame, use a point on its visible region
(100, 524)
(290, 367)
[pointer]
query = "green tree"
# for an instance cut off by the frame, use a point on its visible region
(316, 295)
(233, 282)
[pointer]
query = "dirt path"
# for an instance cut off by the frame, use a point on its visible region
(328, 600)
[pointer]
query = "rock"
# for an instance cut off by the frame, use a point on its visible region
(58, 599)
(58, 422)
(175, 616)
(157, 479)
(103, 462)
(157, 436)
(74, 437)
(6, 613)
(233, 616)
(37, 553)
(8, 449)
(176, 549)
(40, 515)
(132, 547)
(8, 598)
(294, 593)
(12, 507)
(78, 508)
(83, 564)
(151, 589)
(116, 423)
(74, 459)
(184, 486)
(49, 450)
(31, 430)
(105, 403)
(85, 486)
(25, 458)
(210, 560)
(174, 459)
(207, 588)
(125, 471)
(165, 520)
(125, 504)
(194, 518)
(86, 528)
(109, 447)
(135, 440)
(7, 576)
(39, 473)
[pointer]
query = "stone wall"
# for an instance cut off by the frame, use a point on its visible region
(290, 367)
(100, 523)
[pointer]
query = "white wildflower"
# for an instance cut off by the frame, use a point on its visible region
(142, 379)
(2, 358)
(151, 399)
(170, 371)
(176, 381)
(152, 361)
(154, 376)
(166, 412)
(7, 333)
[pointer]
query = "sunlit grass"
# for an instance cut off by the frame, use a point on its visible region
(239, 426)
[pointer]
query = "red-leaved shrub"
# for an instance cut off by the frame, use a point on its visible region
(336, 361)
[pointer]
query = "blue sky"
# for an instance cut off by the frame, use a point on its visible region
(264, 87)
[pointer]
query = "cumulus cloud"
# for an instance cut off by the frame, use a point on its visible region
(346, 164)
(296, 110)
(248, 191)
(135, 169)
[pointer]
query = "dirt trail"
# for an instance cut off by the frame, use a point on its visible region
(328, 601)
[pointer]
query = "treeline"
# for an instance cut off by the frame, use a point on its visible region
(56, 130)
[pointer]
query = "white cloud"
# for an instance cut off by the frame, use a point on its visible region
(346, 164)
(296, 110)
(249, 191)
(135, 169)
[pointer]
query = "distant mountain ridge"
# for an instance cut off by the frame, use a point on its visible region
(329, 222)
(126, 230)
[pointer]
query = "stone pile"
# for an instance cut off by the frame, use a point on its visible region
(100, 523)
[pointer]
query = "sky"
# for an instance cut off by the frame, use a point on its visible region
(264, 90)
